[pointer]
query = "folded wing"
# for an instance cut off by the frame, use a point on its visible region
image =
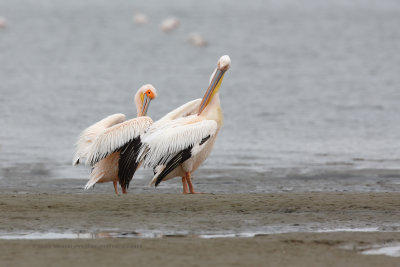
(119, 138)
(88, 135)
(169, 144)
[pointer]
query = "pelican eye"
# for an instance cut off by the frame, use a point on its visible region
(149, 93)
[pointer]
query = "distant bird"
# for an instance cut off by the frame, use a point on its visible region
(140, 18)
(169, 24)
(177, 144)
(196, 39)
(111, 145)
(3, 22)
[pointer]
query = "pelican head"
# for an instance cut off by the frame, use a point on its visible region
(144, 95)
(223, 65)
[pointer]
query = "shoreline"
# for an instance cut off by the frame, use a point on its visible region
(208, 213)
(294, 249)
(194, 214)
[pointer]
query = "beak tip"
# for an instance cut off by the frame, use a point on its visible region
(224, 63)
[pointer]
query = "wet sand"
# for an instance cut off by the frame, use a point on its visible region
(175, 213)
(298, 249)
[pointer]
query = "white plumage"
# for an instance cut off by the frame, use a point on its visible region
(112, 144)
(115, 137)
(3, 22)
(178, 143)
(140, 18)
(196, 39)
(88, 135)
(174, 136)
(169, 24)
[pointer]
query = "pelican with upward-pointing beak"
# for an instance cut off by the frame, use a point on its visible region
(177, 144)
(111, 146)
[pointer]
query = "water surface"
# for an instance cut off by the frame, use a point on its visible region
(312, 93)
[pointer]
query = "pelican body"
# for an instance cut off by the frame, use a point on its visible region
(111, 145)
(177, 144)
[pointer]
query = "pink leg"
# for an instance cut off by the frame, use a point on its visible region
(189, 181)
(115, 187)
(184, 184)
(123, 190)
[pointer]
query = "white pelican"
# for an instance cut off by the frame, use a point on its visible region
(3, 22)
(169, 24)
(140, 18)
(196, 39)
(111, 145)
(178, 143)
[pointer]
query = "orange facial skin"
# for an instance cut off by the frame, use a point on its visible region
(150, 94)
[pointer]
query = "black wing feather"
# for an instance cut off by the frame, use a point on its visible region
(177, 160)
(127, 164)
(204, 139)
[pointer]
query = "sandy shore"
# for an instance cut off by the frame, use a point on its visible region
(298, 249)
(195, 213)
(175, 213)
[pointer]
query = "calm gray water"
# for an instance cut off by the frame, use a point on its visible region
(311, 101)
